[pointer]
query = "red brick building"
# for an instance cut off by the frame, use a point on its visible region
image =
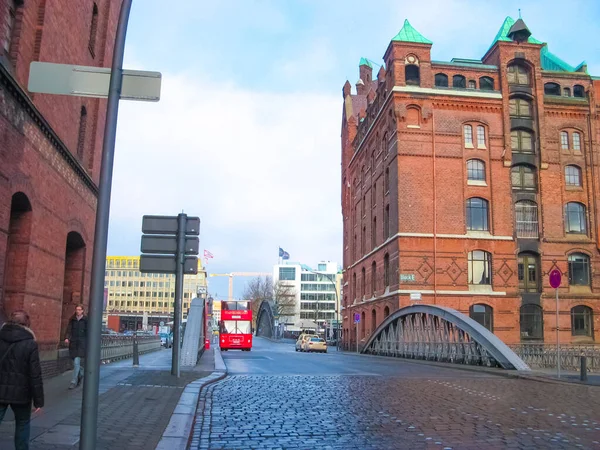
(468, 181)
(50, 155)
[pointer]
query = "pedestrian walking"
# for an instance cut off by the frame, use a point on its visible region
(77, 338)
(20, 375)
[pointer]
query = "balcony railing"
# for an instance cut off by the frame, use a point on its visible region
(527, 220)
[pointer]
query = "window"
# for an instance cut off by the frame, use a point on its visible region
(373, 278)
(458, 81)
(552, 89)
(573, 176)
(519, 107)
(578, 91)
(528, 272)
(354, 285)
(374, 233)
(566, 92)
(363, 281)
(10, 24)
(523, 177)
(575, 221)
(518, 74)
(386, 311)
(480, 136)
(363, 243)
(363, 206)
(287, 273)
(521, 141)
(483, 314)
(576, 142)
(472, 84)
(582, 323)
(93, 31)
(486, 84)
(564, 140)
(532, 322)
(386, 222)
(480, 267)
(411, 73)
(386, 270)
(579, 269)
(441, 80)
(526, 219)
(82, 129)
(475, 170)
(477, 214)
(387, 180)
(468, 130)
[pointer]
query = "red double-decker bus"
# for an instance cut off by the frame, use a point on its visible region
(235, 328)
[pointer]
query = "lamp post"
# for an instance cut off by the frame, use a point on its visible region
(329, 277)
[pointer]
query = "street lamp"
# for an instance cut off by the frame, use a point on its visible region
(329, 277)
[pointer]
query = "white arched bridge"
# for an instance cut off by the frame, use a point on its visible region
(438, 333)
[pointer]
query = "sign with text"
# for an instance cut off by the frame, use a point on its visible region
(407, 277)
(415, 296)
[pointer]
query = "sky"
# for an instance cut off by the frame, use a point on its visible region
(247, 132)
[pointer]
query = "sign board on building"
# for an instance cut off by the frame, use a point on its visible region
(415, 296)
(356, 317)
(407, 277)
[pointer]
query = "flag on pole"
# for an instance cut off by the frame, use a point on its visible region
(283, 254)
(208, 254)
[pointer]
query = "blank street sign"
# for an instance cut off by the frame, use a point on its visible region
(88, 81)
(168, 244)
(168, 225)
(167, 264)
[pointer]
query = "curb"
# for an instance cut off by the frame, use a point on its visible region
(498, 372)
(179, 431)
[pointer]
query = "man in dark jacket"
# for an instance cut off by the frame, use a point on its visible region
(76, 338)
(20, 375)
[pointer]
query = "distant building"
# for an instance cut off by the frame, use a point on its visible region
(466, 182)
(142, 300)
(316, 295)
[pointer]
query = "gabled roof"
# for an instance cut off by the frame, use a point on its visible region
(365, 62)
(409, 34)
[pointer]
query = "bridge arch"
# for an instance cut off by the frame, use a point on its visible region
(265, 319)
(438, 333)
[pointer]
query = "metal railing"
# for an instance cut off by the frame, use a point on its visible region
(121, 347)
(526, 217)
(543, 356)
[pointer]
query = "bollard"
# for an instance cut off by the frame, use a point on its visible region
(136, 353)
(583, 369)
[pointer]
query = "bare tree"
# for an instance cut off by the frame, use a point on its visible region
(258, 290)
(285, 301)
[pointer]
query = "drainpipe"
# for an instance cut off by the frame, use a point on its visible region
(591, 147)
(434, 210)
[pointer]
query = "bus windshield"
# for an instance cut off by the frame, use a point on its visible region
(236, 327)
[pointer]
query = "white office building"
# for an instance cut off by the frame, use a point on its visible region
(316, 296)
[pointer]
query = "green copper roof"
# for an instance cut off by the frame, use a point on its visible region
(502, 34)
(409, 34)
(365, 62)
(553, 62)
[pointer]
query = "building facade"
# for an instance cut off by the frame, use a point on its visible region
(316, 295)
(50, 157)
(466, 182)
(141, 301)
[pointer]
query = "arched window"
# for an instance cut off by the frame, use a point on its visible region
(480, 267)
(413, 117)
(483, 314)
(528, 268)
(386, 270)
(566, 92)
(475, 170)
(354, 285)
(480, 136)
(575, 218)
(552, 89)
(411, 74)
(519, 107)
(521, 141)
(441, 80)
(518, 74)
(363, 243)
(386, 311)
(374, 278)
(523, 177)
(532, 322)
(526, 219)
(363, 283)
(82, 132)
(486, 84)
(477, 214)
(578, 91)
(582, 323)
(458, 81)
(576, 141)
(573, 176)
(386, 222)
(468, 131)
(374, 233)
(564, 140)
(93, 30)
(363, 326)
(373, 320)
(472, 84)
(579, 269)
(386, 180)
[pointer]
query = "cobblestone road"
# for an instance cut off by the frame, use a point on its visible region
(397, 406)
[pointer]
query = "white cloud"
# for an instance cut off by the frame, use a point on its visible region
(260, 169)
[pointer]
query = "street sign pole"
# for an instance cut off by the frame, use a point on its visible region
(555, 277)
(91, 382)
(180, 256)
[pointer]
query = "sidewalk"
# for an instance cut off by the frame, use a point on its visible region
(135, 405)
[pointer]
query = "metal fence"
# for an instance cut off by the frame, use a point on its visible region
(121, 347)
(543, 356)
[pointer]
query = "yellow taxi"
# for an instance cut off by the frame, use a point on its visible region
(314, 344)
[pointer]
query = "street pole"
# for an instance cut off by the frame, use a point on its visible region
(557, 339)
(180, 258)
(356, 337)
(91, 382)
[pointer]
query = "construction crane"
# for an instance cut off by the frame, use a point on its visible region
(238, 274)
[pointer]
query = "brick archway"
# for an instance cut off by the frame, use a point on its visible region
(73, 278)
